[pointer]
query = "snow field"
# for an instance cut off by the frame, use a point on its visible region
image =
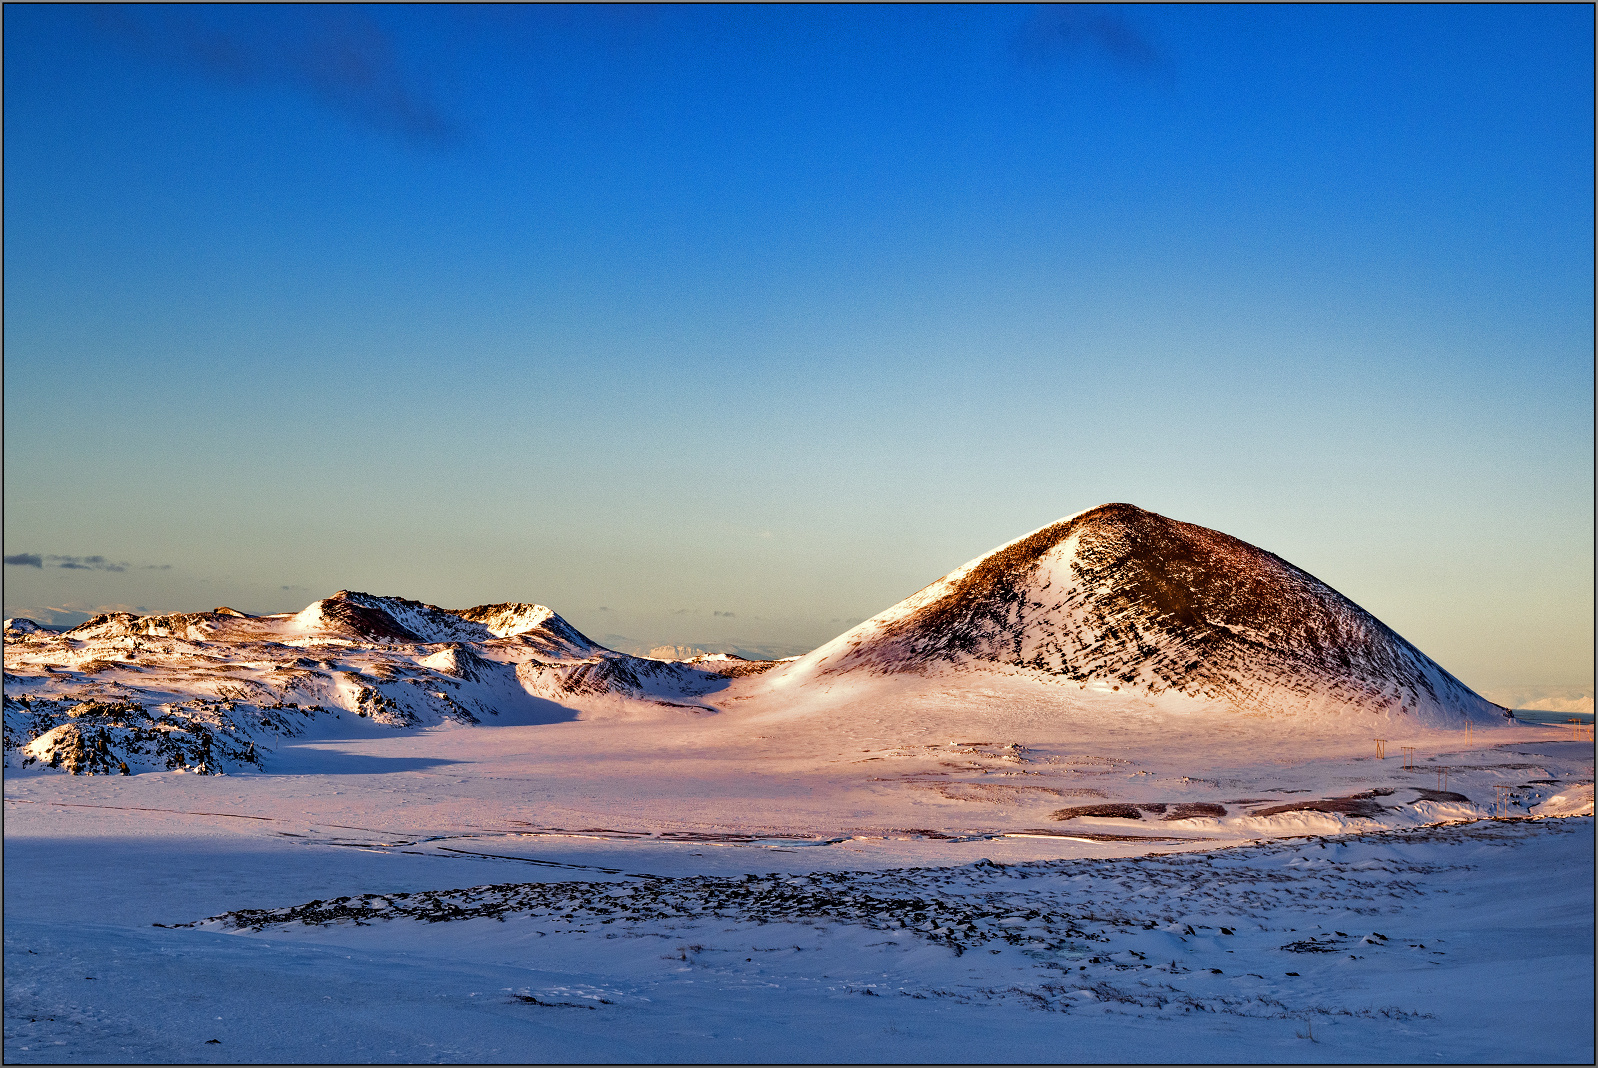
(1444, 944)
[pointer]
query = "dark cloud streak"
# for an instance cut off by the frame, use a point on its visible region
(1055, 33)
(343, 56)
(76, 563)
(86, 563)
(340, 56)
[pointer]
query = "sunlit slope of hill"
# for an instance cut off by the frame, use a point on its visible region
(1120, 604)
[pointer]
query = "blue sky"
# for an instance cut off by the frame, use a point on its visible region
(737, 325)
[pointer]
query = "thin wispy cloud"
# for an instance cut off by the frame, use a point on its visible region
(1064, 32)
(344, 57)
(340, 56)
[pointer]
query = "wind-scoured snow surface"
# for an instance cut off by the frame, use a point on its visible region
(1122, 790)
(1469, 943)
(1117, 596)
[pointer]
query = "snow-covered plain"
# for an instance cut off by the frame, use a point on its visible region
(1040, 811)
(1447, 944)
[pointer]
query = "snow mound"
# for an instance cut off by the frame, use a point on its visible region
(457, 661)
(1576, 801)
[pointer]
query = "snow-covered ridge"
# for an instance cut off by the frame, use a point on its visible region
(395, 619)
(1117, 598)
(206, 691)
(363, 616)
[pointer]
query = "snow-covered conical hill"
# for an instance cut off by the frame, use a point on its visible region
(1118, 600)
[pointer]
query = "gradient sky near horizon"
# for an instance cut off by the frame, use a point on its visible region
(734, 326)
